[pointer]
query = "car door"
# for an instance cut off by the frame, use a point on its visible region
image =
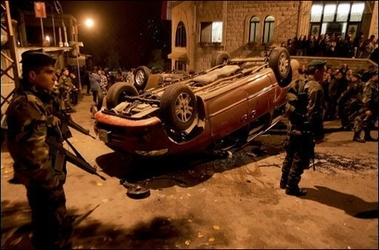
(260, 92)
(227, 110)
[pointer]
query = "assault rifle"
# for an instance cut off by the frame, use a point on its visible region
(61, 154)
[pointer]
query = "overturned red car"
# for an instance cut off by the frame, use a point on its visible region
(217, 110)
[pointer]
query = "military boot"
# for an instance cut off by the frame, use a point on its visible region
(292, 187)
(357, 137)
(368, 136)
(283, 181)
(296, 191)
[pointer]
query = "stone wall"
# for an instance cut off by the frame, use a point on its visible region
(356, 64)
(238, 20)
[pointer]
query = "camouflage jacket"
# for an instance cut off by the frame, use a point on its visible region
(313, 104)
(370, 96)
(28, 121)
(352, 94)
(65, 82)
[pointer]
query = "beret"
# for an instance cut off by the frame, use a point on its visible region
(357, 75)
(316, 63)
(36, 58)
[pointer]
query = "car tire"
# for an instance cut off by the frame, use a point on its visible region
(116, 93)
(178, 106)
(280, 63)
(141, 76)
(219, 58)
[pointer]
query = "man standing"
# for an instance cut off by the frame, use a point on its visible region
(304, 108)
(94, 79)
(367, 115)
(336, 86)
(65, 86)
(30, 122)
(350, 102)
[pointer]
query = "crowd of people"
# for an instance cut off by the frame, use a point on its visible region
(344, 95)
(66, 89)
(332, 46)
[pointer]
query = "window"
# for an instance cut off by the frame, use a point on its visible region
(343, 12)
(180, 37)
(268, 29)
(211, 32)
(356, 12)
(329, 12)
(316, 13)
(254, 29)
(180, 65)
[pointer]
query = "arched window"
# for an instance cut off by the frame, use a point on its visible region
(268, 29)
(180, 37)
(254, 29)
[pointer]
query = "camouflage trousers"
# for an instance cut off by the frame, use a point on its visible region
(52, 227)
(363, 122)
(299, 150)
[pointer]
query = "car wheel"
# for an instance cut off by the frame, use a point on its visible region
(178, 106)
(141, 77)
(220, 58)
(280, 63)
(117, 92)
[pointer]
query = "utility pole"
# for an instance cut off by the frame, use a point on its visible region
(77, 56)
(11, 64)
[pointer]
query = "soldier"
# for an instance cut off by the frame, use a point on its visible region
(30, 122)
(350, 101)
(304, 109)
(337, 85)
(368, 113)
(65, 86)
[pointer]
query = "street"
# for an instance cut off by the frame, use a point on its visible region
(205, 202)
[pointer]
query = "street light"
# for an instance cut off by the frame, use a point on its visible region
(88, 23)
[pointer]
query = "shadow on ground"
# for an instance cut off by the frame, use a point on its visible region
(185, 171)
(159, 232)
(351, 204)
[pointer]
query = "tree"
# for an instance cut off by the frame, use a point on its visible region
(156, 61)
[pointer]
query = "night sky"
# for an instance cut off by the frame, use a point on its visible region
(129, 30)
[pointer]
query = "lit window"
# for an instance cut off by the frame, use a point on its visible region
(329, 12)
(180, 37)
(356, 12)
(254, 29)
(211, 32)
(316, 13)
(343, 12)
(268, 29)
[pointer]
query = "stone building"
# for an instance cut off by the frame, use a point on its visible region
(201, 30)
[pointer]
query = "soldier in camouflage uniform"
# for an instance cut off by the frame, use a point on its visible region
(30, 122)
(368, 113)
(65, 86)
(350, 102)
(304, 108)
